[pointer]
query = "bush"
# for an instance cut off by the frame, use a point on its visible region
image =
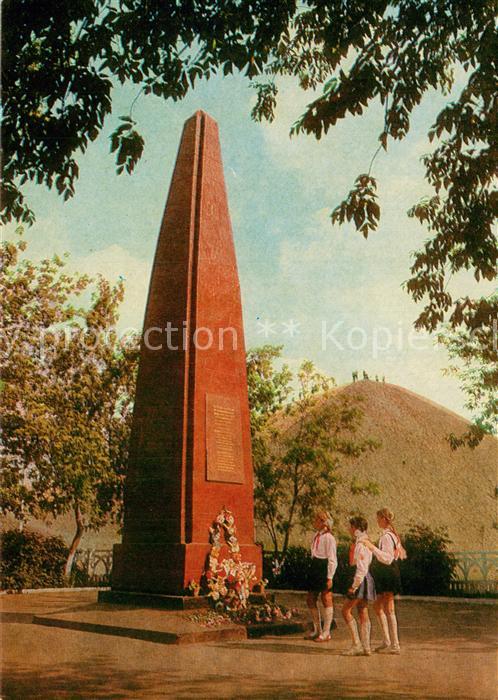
(342, 576)
(30, 560)
(295, 569)
(428, 570)
(429, 567)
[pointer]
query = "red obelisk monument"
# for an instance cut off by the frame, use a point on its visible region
(190, 451)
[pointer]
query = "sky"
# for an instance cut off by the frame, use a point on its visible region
(323, 292)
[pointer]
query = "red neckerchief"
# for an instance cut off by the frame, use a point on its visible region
(352, 547)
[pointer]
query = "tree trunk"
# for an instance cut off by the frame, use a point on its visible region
(288, 530)
(291, 514)
(270, 526)
(286, 539)
(80, 529)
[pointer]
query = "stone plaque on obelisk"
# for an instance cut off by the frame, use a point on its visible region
(190, 451)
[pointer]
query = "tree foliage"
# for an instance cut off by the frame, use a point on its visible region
(62, 60)
(474, 358)
(268, 388)
(301, 436)
(67, 394)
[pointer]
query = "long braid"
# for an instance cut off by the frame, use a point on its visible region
(391, 527)
(388, 515)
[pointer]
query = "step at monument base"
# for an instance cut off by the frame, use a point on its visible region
(154, 600)
(160, 626)
(170, 602)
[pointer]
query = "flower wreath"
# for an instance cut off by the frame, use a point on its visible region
(229, 580)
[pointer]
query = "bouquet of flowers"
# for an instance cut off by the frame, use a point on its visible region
(229, 581)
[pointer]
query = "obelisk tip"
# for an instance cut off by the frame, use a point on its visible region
(201, 113)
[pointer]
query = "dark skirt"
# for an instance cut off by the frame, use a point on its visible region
(386, 576)
(317, 577)
(367, 588)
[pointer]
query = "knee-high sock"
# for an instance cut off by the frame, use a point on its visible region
(353, 628)
(315, 616)
(384, 625)
(328, 616)
(365, 627)
(394, 628)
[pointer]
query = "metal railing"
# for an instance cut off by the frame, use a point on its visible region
(95, 564)
(476, 571)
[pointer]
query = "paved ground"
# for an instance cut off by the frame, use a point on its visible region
(449, 651)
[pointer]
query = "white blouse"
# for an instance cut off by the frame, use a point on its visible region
(385, 551)
(324, 547)
(362, 558)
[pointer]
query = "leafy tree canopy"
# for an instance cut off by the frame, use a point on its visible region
(62, 60)
(67, 393)
(473, 362)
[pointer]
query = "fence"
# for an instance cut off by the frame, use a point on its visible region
(476, 572)
(95, 564)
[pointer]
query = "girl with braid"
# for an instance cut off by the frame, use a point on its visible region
(385, 571)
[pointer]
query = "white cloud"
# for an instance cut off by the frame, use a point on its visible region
(49, 236)
(113, 263)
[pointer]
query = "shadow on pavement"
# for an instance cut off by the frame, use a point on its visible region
(98, 680)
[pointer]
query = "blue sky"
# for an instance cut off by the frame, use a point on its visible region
(293, 265)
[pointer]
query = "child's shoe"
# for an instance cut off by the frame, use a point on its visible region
(312, 636)
(395, 649)
(367, 651)
(322, 638)
(384, 648)
(355, 650)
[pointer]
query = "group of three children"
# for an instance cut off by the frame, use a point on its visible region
(374, 577)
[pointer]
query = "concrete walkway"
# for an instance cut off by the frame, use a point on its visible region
(448, 651)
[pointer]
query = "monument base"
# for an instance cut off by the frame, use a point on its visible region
(154, 600)
(170, 602)
(167, 568)
(159, 626)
